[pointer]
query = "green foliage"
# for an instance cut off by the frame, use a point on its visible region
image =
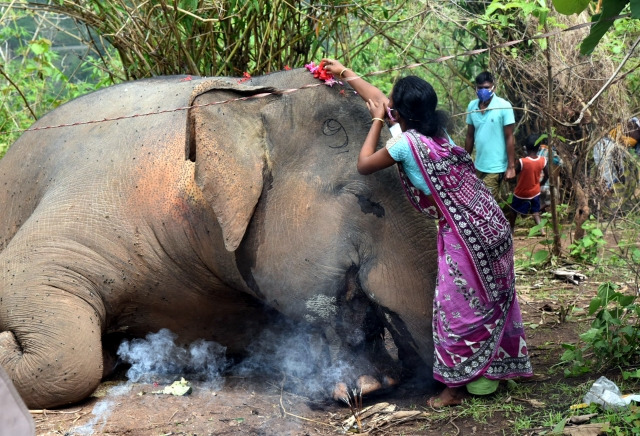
(536, 8)
(613, 338)
(587, 249)
(227, 37)
(624, 30)
(38, 78)
(625, 422)
(542, 256)
(510, 14)
(411, 37)
(603, 19)
(616, 422)
(568, 7)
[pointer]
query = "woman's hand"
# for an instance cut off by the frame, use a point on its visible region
(334, 67)
(377, 109)
(364, 89)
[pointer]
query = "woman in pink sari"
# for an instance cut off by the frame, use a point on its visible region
(477, 326)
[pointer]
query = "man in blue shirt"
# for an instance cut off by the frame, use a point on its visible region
(490, 123)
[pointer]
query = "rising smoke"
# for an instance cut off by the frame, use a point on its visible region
(101, 412)
(292, 353)
(298, 356)
(158, 359)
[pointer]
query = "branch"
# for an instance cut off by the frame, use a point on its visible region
(609, 82)
(4, 74)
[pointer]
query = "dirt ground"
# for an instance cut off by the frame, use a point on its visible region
(260, 406)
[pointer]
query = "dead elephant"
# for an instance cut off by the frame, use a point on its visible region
(228, 200)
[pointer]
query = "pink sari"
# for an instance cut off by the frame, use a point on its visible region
(477, 325)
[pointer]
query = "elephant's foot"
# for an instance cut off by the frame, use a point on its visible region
(54, 357)
(9, 349)
(341, 392)
(365, 385)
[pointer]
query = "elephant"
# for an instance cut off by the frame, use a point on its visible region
(209, 207)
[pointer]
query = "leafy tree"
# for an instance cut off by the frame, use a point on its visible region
(222, 38)
(233, 37)
(35, 78)
(605, 13)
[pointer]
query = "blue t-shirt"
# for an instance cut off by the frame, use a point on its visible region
(400, 151)
(489, 140)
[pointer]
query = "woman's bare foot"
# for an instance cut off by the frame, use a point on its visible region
(448, 397)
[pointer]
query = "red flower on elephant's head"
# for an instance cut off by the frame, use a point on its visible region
(245, 76)
(319, 72)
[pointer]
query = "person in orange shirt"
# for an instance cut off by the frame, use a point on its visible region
(628, 136)
(526, 196)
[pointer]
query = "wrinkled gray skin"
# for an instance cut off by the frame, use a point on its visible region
(202, 221)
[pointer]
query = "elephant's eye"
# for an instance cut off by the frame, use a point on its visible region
(336, 130)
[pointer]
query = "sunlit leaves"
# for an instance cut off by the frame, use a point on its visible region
(569, 7)
(40, 46)
(604, 21)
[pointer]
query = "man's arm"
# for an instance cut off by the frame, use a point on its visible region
(511, 153)
(469, 139)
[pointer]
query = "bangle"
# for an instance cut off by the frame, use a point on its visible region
(342, 72)
(379, 119)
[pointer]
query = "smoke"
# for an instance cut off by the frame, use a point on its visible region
(101, 412)
(290, 350)
(297, 354)
(158, 359)
(300, 357)
(287, 351)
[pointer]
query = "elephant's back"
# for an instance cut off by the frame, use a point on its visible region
(94, 141)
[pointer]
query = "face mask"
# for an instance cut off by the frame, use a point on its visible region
(484, 94)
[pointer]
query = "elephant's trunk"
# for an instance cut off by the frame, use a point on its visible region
(400, 278)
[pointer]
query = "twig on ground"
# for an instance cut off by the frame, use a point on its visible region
(78, 417)
(45, 411)
(453, 418)
(284, 411)
(174, 414)
(385, 428)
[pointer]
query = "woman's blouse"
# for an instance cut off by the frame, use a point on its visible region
(400, 151)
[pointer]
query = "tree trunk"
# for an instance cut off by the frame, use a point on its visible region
(582, 210)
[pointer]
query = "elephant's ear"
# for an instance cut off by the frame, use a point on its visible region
(227, 143)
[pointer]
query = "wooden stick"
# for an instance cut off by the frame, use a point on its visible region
(45, 411)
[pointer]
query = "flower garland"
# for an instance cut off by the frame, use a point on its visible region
(319, 72)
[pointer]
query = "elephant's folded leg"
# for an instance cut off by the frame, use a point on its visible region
(50, 345)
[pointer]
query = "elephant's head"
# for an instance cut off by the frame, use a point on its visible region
(312, 237)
